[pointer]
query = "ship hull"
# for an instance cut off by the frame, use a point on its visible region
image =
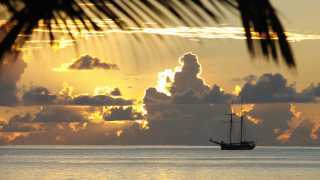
(237, 146)
(246, 145)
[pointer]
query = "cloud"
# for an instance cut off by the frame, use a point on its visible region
(152, 96)
(123, 113)
(69, 125)
(304, 125)
(104, 97)
(197, 112)
(55, 114)
(42, 96)
(190, 114)
(194, 124)
(271, 88)
(313, 90)
(185, 86)
(188, 78)
(38, 123)
(10, 73)
(217, 96)
(88, 62)
(221, 32)
(20, 123)
(38, 96)
(115, 92)
(99, 100)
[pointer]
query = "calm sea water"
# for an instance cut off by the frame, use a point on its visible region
(157, 162)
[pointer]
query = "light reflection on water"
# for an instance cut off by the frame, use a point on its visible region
(157, 162)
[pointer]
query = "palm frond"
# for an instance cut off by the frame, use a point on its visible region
(258, 17)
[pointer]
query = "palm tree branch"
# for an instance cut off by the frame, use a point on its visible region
(257, 16)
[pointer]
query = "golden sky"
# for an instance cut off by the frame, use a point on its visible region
(220, 49)
(135, 64)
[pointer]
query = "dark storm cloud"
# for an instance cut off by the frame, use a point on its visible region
(182, 124)
(42, 96)
(217, 96)
(17, 127)
(188, 78)
(11, 71)
(194, 112)
(312, 91)
(36, 122)
(271, 88)
(26, 118)
(99, 100)
(38, 96)
(19, 123)
(123, 113)
(115, 92)
(55, 114)
(50, 114)
(214, 96)
(188, 97)
(152, 96)
(88, 63)
(195, 124)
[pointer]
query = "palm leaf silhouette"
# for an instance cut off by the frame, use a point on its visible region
(258, 17)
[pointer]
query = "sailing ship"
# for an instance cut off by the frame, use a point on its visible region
(242, 144)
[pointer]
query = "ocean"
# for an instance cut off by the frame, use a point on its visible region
(157, 162)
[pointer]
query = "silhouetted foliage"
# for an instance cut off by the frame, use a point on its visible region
(258, 18)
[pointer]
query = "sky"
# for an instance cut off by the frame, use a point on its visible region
(169, 86)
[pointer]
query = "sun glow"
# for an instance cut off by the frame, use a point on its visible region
(304, 114)
(244, 110)
(12, 136)
(165, 79)
(67, 90)
(119, 133)
(293, 124)
(77, 126)
(237, 90)
(144, 124)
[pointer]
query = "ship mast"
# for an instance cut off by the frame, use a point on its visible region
(241, 121)
(241, 128)
(231, 125)
(230, 133)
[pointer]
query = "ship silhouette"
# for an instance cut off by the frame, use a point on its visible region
(231, 145)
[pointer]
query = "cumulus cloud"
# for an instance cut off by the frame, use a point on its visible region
(42, 96)
(217, 96)
(195, 124)
(312, 91)
(188, 78)
(38, 96)
(99, 100)
(152, 96)
(187, 87)
(190, 114)
(19, 123)
(271, 88)
(88, 62)
(115, 92)
(197, 111)
(10, 73)
(122, 113)
(54, 114)
(38, 123)
(69, 125)
(48, 114)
